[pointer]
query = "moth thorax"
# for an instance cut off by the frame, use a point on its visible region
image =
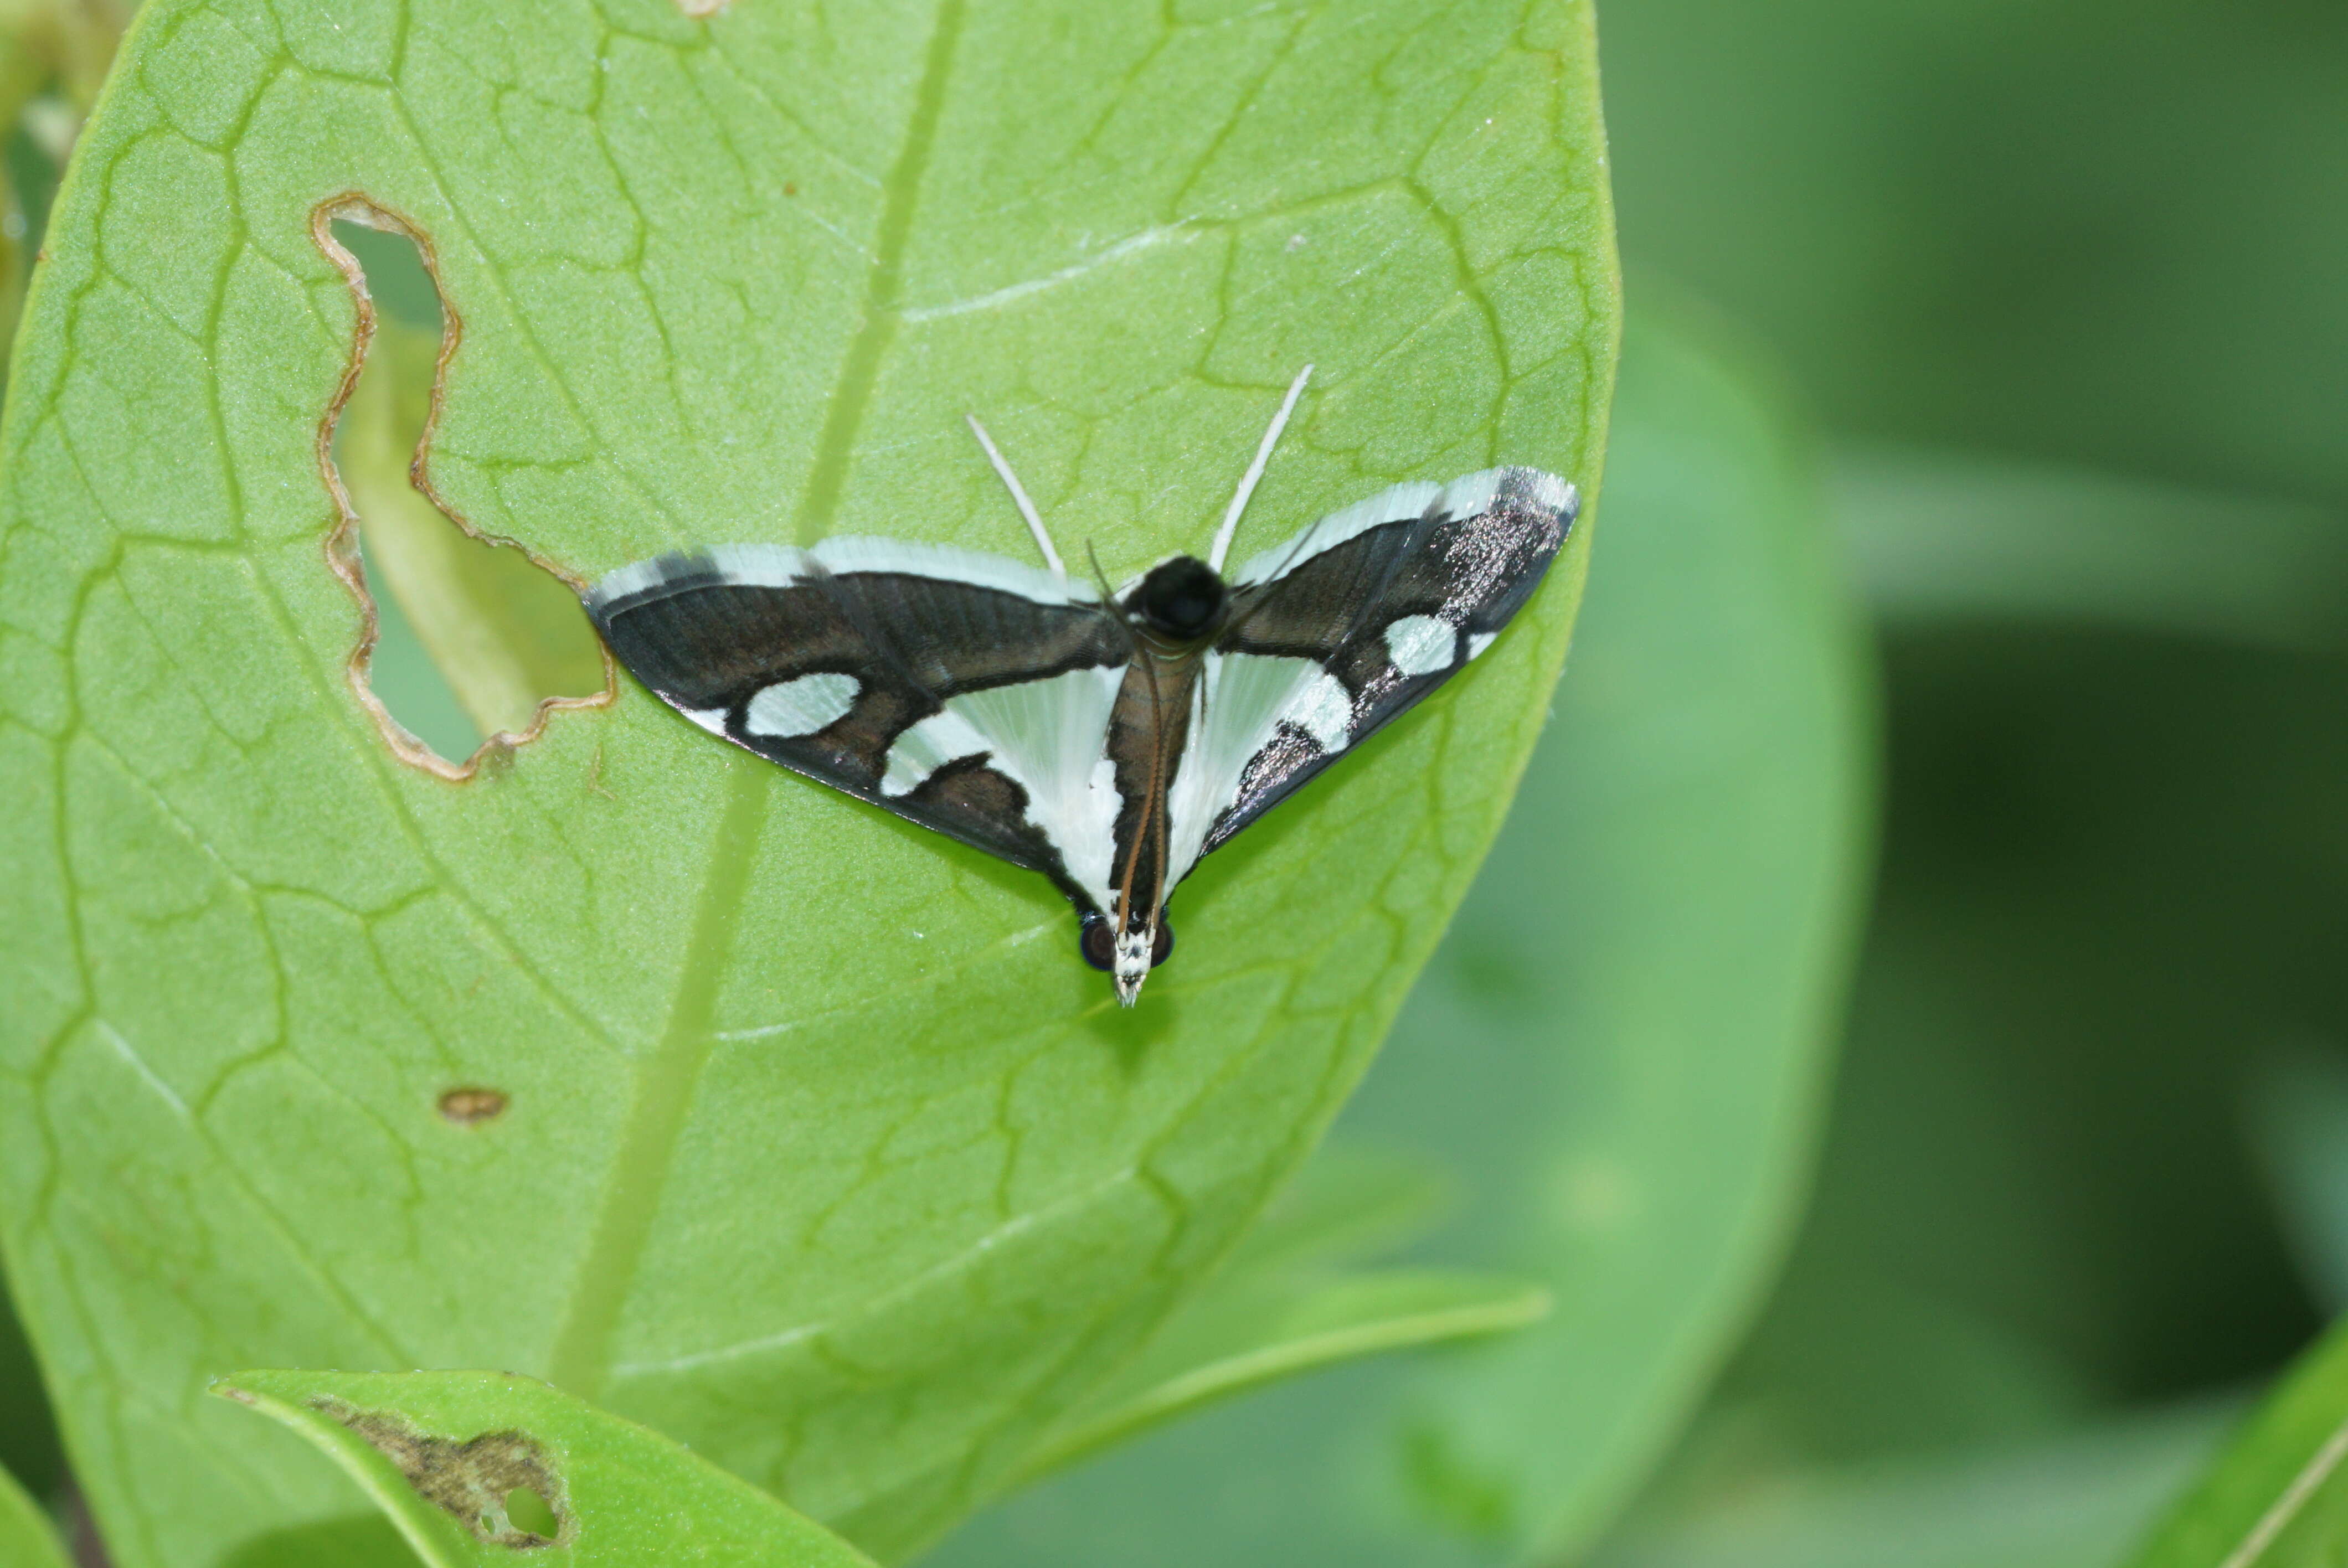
(1181, 600)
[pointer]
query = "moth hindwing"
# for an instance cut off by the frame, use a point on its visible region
(1108, 741)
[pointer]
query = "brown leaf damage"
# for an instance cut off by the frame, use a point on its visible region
(469, 1106)
(470, 1479)
(342, 543)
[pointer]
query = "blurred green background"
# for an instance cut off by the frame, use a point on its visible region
(2052, 291)
(2056, 285)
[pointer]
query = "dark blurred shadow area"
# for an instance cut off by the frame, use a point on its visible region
(2059, 283)
(2098, 233)
(2081, 1188)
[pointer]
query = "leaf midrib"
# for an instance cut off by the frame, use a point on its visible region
(883, 284)
(581, 1359)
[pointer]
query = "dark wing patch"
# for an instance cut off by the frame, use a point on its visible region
(1388, 600)
(845, 662)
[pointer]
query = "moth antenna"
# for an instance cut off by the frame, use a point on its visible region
(1109, 594)
(1019, 499)
(1222, 546)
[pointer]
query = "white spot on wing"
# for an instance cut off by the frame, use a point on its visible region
(1049, 736)
(1324, 711)
(710, 719)
(1479, 641)
(1472, 495)
(1421, 644)
(759, 566)
(926, 747)
(801, 707)
(1240, 700)
(1545, 489)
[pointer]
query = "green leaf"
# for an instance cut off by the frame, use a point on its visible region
(2075, 1502)
(1942, 537)
(1618, 1051)
(1673, 971)
(2298, 1107)
(473, 1466)
(2277, 1496)
(1239, 1339)
(27, 1539)
(1349, 1203)
(722, 1100)
(1284, 1306)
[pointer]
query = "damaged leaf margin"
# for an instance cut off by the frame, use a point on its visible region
(439, 1452)
(469, 1480)
(343, 540)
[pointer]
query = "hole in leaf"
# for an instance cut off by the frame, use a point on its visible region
(498, 1485)
(473, 641)
(528, 1511)
(468, 1107)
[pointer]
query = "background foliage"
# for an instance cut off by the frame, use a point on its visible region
(2050, 293)
(2053, 283)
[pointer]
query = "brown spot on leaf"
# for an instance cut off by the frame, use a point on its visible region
(470, 1107)
(470, 1479)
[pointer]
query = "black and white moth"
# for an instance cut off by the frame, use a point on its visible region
(1107, 738)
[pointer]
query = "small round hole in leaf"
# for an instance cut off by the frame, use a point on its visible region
(525, 1510)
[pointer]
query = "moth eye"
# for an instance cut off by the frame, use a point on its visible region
(1097, 940)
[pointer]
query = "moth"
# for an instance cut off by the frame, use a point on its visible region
(1106, 737)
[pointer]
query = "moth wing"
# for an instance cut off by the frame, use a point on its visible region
(1344, 626)
(963, 691)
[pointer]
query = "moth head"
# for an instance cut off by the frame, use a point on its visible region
(1181, 600)
(1130, 956)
